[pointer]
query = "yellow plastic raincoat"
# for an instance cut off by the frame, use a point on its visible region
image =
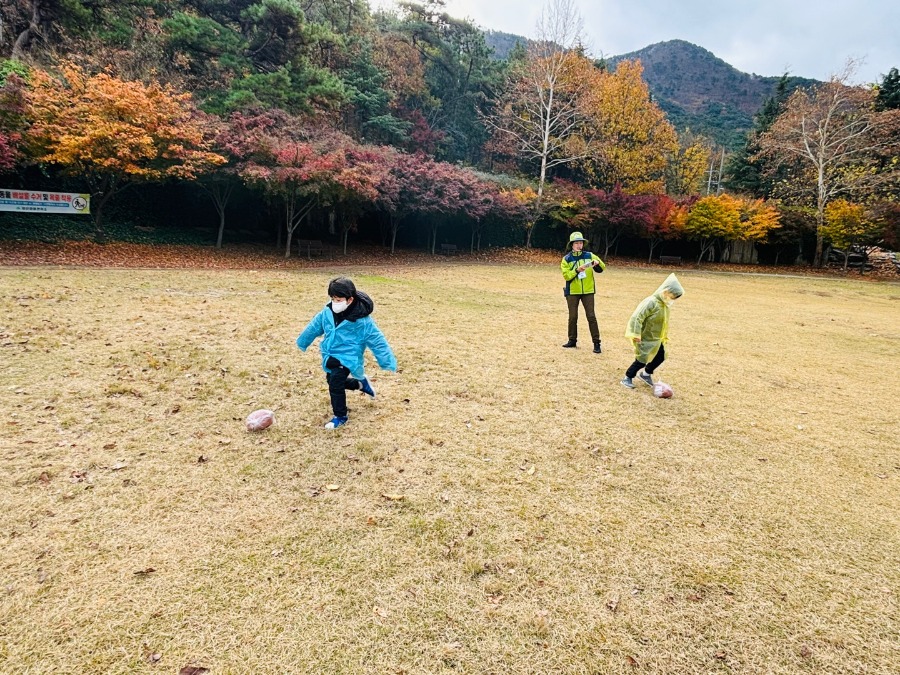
(650, 321)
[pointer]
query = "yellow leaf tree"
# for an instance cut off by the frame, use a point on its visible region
(847, 224)
(631, 137)
(113, 133)
(723, 219)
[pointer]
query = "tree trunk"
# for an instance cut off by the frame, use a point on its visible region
(820, 218)
(221, 228)
(345, 237)
(34, 28)
(287, 248)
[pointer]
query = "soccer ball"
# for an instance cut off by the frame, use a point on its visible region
(662, 390)
(260, 419)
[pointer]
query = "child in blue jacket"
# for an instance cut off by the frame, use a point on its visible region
(348, 330)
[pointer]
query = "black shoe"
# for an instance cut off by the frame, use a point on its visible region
(597, 348)
(570, 344)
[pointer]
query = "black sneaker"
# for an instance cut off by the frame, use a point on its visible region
(646, 378)
(570, 344)
(597, 348)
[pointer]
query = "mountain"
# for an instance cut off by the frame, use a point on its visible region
(696, 89)
(702, 92)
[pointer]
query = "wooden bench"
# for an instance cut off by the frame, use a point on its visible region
(448, 249)
(670, 260)
(311, 247)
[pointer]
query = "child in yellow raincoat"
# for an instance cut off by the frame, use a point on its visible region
(648, 329)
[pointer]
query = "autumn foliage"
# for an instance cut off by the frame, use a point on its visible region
(113, 132)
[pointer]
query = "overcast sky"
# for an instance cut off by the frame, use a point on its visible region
(808, 38)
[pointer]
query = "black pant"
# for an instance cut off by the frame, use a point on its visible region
(648, 367)
(339, 381)
(588, 302)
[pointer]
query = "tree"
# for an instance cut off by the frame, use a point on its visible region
(848, 225)
(722, 219)
(460, 73)
(663, 222)
(687, 165)
(888, 97)
(410, 186)
(541, 108)
(296, 173)
(620, 212)
(744, 171)
(13, 117)
(114, 133)
(356, 184)
(632, 138)
(829, 141)
(712, 218)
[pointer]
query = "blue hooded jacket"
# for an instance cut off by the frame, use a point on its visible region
(348, 340)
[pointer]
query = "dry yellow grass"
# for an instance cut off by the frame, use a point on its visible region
(551, 520)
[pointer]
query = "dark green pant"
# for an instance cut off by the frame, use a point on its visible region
(588, 302)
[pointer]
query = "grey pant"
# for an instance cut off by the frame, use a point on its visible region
(588, 302)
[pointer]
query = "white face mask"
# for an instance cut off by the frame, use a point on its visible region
(338, 307)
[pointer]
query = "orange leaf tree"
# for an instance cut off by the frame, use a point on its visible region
(113, 133)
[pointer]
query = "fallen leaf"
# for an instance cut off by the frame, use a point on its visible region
(145, 572)
(118, 466)
(332, 487)
(393, 497)
(632, 661)
(721, 655)
(531, 470)
(470, 532)
(109, 446)
(202, 459)
(882, 476)
(613, 604)
(154, 658)
(379, 612)
(805, 652)
(44, 477)
(193, 670)
(224, 441)
(371, 520)
(693, 597)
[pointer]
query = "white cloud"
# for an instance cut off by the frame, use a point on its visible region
(812, 38)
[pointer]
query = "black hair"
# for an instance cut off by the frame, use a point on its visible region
(341, 287)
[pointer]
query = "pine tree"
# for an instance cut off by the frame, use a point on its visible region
(743, 172)
(889, 92)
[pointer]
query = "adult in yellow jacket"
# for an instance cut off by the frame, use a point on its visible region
(578, 268)
(648, 330)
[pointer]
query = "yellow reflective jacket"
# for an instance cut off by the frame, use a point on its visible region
(569, 266)
(650, 321)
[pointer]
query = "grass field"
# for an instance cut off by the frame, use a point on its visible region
(502, 506)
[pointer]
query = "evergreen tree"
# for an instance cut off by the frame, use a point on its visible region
(889, 92)
(743, 171)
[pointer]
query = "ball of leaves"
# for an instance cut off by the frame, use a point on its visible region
(260, 419)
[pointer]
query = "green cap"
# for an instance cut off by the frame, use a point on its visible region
(576, 236)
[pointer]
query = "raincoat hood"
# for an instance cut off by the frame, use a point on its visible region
(672, 285)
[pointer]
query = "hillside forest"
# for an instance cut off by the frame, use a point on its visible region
(280, 120)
